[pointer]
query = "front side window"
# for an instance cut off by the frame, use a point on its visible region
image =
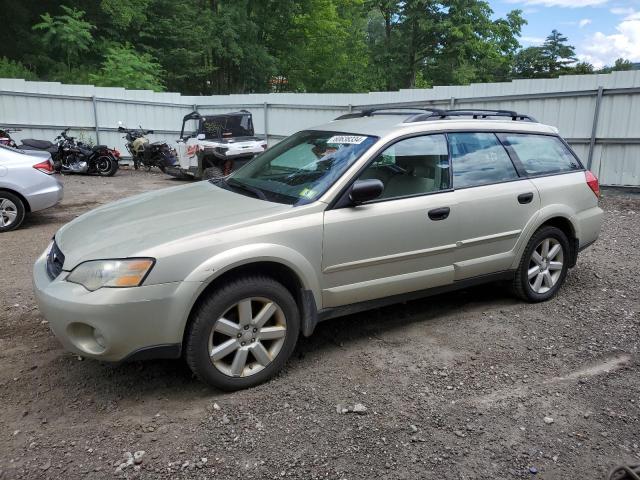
(301, 168)
(413, 166)
(541, 154)
(479, 159)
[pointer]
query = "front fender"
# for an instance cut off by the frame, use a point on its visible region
(225, 261)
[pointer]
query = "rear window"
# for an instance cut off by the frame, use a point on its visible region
(541, 154)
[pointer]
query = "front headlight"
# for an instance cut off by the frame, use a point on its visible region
(96, 274)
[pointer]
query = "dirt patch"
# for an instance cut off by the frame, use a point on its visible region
(455, 386)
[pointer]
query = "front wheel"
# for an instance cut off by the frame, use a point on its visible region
(544, 265)
(243, 333)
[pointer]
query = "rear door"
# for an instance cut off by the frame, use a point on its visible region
(494, 201)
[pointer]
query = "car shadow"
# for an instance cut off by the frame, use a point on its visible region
(160, 377)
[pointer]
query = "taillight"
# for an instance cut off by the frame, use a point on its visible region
(44, 167)
(116, 153)
(593, 183)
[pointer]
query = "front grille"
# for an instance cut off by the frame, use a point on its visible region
(55, 261)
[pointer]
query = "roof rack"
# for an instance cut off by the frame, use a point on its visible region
(473, 113)
(370, 112)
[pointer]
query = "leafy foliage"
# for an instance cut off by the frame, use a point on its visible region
(68, 32)
(124, 67)
(242, 46)
(13, 69)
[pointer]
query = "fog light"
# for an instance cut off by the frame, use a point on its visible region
(99, 338)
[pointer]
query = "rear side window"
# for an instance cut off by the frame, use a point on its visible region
(479, 159)
(541, 154)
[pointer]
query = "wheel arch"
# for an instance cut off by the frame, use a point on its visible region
(19, 195)
(561, 218)
(295, 276)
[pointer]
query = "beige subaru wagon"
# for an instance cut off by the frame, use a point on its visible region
(375, 207)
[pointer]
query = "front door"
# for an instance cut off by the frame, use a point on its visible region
(402, 242)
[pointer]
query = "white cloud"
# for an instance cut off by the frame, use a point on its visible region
(562, 3)
(621, 10)
(532, 40)
(600, 49)
(584, 22)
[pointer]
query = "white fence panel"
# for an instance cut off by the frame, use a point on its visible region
(43, 109)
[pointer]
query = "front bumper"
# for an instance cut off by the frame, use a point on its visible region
(112, 324)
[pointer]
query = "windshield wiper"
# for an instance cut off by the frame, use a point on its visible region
(247, 188)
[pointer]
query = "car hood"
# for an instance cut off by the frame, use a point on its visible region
(136, 225)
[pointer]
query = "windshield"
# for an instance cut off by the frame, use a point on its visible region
(223, 126)
(301, 168)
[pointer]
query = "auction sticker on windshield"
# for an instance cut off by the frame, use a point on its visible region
(347, 139)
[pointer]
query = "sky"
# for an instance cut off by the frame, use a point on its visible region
(601, 30)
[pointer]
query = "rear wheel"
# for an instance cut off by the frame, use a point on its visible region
(243, 334)
(12, 211)
(544, 265)
(106, 166)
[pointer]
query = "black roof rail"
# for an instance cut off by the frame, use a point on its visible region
(391, 110)
(474, 113)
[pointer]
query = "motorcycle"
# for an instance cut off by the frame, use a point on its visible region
(5, 137)
(145, 153)
(71, 156)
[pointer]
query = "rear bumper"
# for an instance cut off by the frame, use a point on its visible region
(589, 224)
(47, 195)
(115, 324)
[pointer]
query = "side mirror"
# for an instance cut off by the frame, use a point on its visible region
(201, 136)
(365, 190)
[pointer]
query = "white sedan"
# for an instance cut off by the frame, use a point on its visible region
(26, 185)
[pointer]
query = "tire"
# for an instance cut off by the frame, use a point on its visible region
(551, 270)
(235, 370)
(106, 166)
(12, 211)
(212, 172)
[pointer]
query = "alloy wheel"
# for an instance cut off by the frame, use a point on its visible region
(247, 337)
(545, 265)
(8, 212)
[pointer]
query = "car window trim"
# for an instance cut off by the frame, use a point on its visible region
(547, 174)
(515, 167)
(341, 200)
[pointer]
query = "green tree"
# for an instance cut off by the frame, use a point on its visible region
(68, 32)
(474, 48)
(557, 53)
(529, 63)
(620, 65)
(124, 67)
(14, 69)
(583, 68)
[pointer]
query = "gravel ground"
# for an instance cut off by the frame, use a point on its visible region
(473, 384)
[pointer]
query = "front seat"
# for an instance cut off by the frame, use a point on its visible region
(416, 180)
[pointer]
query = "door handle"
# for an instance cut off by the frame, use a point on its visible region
(439, 213)
(525, 198)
